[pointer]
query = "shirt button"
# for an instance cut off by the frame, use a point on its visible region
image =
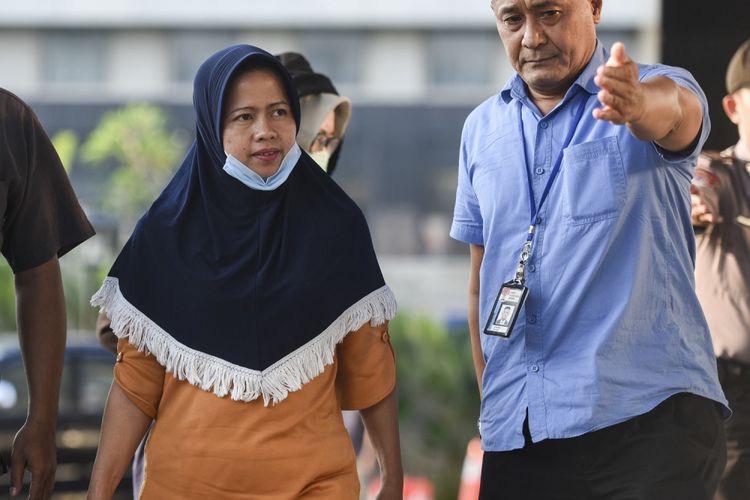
(539, 170)
(534, 368)
(119, 357)
(532, 319)
(532, 268)
(543, 124)
(538, 221)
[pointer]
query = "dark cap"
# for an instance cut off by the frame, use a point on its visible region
(738, 71)
(305, 79)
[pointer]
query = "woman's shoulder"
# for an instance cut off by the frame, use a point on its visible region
(312, 179)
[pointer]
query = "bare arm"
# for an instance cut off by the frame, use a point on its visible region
(123, 428)
(40, 311)
(104, 333)
(381, 422)
(656, 110)
(477, 254)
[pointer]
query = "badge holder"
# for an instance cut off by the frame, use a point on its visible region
(510, 299)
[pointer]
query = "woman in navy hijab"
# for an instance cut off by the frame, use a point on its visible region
(250, 310)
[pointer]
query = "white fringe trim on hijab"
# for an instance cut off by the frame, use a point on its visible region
(216, 375)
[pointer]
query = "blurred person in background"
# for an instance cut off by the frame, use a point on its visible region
(721, 217)
(324, 117)
(41, 221)
(250, 309)
(324, 114)
(604, 380)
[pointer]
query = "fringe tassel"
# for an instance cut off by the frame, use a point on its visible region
(216, 375)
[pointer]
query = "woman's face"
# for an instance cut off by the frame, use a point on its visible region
(258, 126)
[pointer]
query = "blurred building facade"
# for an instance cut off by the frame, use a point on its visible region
(414, 69)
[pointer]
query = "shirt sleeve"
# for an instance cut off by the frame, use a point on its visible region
(467, 218)
(366, 367)
(684, 79)
(709, 184)
(42, 216)
(140, 376)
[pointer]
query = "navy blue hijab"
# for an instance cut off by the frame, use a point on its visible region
(239, 291)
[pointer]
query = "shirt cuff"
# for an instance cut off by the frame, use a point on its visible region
(467, 234)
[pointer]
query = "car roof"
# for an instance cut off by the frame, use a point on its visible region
(10, 349)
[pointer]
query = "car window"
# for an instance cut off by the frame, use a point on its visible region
(96, 378)
(67, 403)
(13, 395)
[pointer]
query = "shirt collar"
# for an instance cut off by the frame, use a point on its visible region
(738, 151)
(515, 87)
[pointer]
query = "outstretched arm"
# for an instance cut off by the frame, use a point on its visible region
(40, 309)
(123, 428)
(657, 109)
(381, 422)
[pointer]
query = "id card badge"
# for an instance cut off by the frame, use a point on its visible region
(507, 306)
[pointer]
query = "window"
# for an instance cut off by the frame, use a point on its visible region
(629, 37)
(95, 381)
(73, 57)
(191, 48)
(463, 59)
(338, 55)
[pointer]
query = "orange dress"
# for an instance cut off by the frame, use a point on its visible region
(205, 447)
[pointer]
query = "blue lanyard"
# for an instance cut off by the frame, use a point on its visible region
(534, 208)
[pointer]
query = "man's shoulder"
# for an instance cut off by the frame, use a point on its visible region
(9, 98)
(645, 69)
(711, 159)
(680, 75)
(487, 117)
(488, 106)
(11, 106)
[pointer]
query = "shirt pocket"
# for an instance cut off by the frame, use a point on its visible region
(593, 181)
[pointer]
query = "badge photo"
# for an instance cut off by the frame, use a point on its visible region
(505, 311)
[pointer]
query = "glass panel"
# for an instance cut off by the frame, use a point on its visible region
(96, 378)
(67, 393)
(191, 48)
(629, 37)
(338, 55)
(74, 57)
(464, 59)
(13, 395)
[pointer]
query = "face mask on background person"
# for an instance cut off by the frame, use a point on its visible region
(321, 158)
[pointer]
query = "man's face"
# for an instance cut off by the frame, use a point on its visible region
(548, 42)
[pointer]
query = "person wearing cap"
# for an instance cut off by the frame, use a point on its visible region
(325, 113)
(721, 218)
(324, 117)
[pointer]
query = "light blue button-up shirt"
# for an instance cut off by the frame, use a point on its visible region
(611, 326)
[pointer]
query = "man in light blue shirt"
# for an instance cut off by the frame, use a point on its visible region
(607, 381)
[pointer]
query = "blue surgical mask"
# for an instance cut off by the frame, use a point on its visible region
(242, 173)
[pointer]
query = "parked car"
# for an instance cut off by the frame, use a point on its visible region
(86, 378)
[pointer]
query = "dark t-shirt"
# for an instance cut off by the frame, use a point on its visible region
(40, 215)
